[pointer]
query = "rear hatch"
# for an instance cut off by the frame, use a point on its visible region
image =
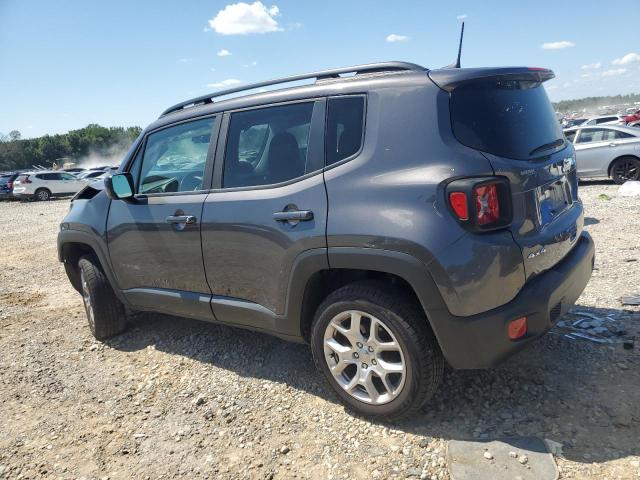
(505, 114)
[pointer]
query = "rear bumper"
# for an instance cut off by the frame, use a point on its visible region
(481, 341)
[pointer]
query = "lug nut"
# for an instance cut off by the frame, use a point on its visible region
(359, 344)
(370, 348)
(355, 355)
(364, 365)
(373, 361)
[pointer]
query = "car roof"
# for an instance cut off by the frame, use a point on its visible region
(623, 128)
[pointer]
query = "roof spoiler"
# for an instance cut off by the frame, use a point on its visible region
(449, 78)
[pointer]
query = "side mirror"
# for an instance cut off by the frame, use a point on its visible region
(119, 186)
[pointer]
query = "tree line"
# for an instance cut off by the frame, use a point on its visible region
(591, 103)
(93, 140)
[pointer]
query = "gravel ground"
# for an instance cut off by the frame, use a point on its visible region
(179, 398)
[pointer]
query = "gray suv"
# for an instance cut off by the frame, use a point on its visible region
(394, 217)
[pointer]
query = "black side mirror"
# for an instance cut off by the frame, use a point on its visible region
(119, 186)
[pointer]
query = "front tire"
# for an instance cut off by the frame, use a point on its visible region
(105, 313)
(373, 344)
(625, 169)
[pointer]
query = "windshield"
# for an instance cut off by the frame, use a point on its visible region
(509, 118)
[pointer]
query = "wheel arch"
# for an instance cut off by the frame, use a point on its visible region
(74, 244)
(312, 280)
(618, 158)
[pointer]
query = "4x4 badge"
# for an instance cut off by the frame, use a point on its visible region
(537, 254)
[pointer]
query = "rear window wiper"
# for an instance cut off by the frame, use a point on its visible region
(547, 146)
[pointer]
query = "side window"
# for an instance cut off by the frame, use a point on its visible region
(345, 122)
(591, 135)
(67, 176)
(570, 136)
(267, 145)
(174, 158)
(620, 134)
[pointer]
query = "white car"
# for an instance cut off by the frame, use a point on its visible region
(604, 120)
(606, 151)
(43, 184)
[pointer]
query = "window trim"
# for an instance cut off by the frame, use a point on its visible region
(317, 128)
(364, 129)
(208, 167)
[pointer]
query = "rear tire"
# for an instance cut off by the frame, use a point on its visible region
(42, 195)
(105, 313)
(624, 169)
(393, 362)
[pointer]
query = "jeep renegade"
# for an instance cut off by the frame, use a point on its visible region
(393, 217)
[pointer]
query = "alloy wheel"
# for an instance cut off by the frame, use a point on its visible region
(627, 169)
(86, 297)
(364, 357)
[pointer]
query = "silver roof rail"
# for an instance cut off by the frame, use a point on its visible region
(321, 75)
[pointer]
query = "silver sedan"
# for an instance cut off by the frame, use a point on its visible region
(606, 151)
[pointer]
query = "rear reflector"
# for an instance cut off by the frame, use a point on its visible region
(487, 205)
(517, 328)
(458, 202)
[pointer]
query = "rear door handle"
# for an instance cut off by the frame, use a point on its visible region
(181, 219)
(293, 215)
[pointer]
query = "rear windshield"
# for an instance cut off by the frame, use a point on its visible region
(508, 118)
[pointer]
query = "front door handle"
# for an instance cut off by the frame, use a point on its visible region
(181, 219)
(293, 216)
(613, 144)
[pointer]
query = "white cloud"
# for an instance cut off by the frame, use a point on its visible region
(614, 72)
(566, 84)
(586, 75)
(591, 66)
(462, 17)
(242, 18)
(223, 53)
(185, 60)
(295, 25)
(252, 64)
(558, 45)
(396, 38)
(627, 59)
(224, 83)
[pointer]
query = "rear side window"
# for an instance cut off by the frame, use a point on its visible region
(570, 136)
(508, 118)
(268, 145)
(48, 176)
(345, 122)
(605, 120)
(620, 134)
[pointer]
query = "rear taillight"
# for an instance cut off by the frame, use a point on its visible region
(9, 185)
(487, 204)
(458, 201)
(26, 180)
(481, 203)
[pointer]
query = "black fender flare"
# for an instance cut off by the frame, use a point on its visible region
(66, 237)
(401, 264)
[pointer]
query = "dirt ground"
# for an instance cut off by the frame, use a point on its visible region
(175, 398)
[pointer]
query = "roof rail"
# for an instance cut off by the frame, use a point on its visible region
(321, 75)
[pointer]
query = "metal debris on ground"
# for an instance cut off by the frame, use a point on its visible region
(588, 326)
(631, 299)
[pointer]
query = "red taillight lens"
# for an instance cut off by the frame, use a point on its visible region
(9, 185)
(487, 204)
(458, 202)
(517, 328)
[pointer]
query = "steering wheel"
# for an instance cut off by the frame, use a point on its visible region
(191, 182)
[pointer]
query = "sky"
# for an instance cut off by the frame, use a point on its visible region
(67, 63)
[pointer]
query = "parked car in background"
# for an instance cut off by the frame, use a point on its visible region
(6, 186)
(634, 124)
(74, 170)
(632, 118)
(42, 185)
(90, 174)
(607, 151)
(604, 120)
(314, 214)
(572, 122)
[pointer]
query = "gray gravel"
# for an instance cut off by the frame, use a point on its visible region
(177, 398)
